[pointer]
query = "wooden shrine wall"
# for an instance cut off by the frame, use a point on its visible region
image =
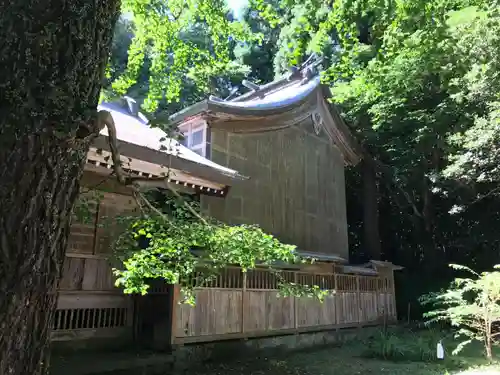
(298, 177)
(243, 306)
(89, 305)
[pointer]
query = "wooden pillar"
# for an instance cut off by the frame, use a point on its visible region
(335, 296)
(393, 295)
(244, 297)
(358, 300)
(176, 290)
(377, 300)
(295, 309)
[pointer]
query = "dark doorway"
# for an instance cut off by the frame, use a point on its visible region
(154, 313)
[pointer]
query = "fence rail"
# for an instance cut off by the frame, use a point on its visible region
(244, 305)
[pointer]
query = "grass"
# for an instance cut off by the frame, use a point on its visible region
(342, 361)
(397, 352)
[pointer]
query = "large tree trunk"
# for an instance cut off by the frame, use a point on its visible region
(52, 60)
(370, 210)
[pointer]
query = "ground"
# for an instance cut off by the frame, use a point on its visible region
(406, 351)
(343, 361)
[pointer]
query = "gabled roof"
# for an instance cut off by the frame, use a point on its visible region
(371, 268)
(334, 258)
(150, 152)
(278, 105)
(383, 264)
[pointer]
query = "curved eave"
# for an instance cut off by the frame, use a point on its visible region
(280, 110)
(277, 101)
(247, 109)
(152, 175)
(384, 264)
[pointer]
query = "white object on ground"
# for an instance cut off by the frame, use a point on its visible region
(440, 350)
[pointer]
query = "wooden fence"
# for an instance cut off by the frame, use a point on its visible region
(233, 305)
(239, 305)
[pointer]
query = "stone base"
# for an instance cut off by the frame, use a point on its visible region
(198, 354)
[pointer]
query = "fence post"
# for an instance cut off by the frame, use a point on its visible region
(335, 297)
(176, 290)
(377, 299)
(295, 309)
(243, 301)
(394, 315)
(358, 300)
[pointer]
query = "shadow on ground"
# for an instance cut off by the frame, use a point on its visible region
(332, 361)
(340, 361)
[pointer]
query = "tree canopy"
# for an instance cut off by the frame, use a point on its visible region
(54, 59)
(418, 84)
(417, 81)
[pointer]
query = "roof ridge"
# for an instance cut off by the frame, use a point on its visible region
(305, 73)
(268, 87)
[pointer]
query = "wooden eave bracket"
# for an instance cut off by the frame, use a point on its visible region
(102, 160)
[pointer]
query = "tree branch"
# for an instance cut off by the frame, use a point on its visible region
(490, 193)
(191, 209)
(386, 170)
(138, 201)
(105, 119)
(153, 208)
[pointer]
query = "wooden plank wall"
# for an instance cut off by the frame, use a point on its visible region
(249, 306)
(89, 305)
(312, 214)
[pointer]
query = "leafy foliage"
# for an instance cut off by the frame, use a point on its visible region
(84, 207)
(470, 304)
(174, 50)
(401, 344)
(418, 83)
(173, 243)
(478, 46)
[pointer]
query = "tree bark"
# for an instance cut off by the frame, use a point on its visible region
(370, 210)
(489, 352)
(52, 58)
(488, 338)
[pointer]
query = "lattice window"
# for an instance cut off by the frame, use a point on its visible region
(346, 283)
(91, 318)
(324, 281)
(368, 284)
(384, 285)
(263, 279)
(158, 286)
(226, 278)
(232, 278)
